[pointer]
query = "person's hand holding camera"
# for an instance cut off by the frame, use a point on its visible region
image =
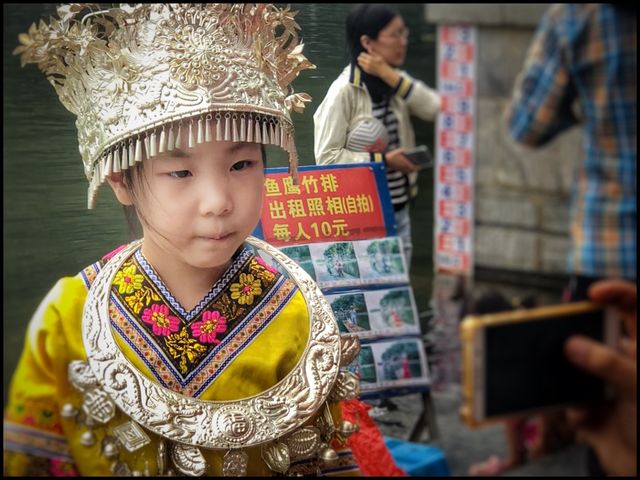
(610, 429)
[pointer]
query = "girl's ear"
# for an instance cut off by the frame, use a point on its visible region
(120, 190)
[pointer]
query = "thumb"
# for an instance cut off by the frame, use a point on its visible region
(604, 363)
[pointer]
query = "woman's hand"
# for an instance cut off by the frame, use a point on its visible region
(397, 160)
(374, 64)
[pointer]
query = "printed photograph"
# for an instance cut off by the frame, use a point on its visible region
(381, 260)
(400, 360)
(335, 262)
(365, 366)
(392, 309)
(302, 256)
(351, 312)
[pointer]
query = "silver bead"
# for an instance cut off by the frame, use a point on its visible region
(109, 448)
(68, 411)
(88, 439)
(328, 454)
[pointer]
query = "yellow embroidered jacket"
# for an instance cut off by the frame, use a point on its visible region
(245, 335)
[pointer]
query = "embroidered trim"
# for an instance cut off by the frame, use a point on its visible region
(23, 439)
(276, 294)
(90, 273)
(215, 290)
(218, 358)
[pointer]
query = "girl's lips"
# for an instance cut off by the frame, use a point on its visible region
(217, 237)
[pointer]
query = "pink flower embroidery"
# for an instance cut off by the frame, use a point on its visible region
(265, 265)
(60, 468)
(158, 317)
(207, 329)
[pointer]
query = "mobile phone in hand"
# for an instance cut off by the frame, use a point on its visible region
(420, 156)
(514, 362)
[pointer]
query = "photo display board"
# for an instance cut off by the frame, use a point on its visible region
(361, 269)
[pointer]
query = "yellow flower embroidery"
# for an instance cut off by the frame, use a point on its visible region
(187, 349)
(128, 280)
(244, 291)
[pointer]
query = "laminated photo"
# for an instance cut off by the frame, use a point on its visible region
(335, 264)
(378, 313)
(399, 363)
(381, 261)
(302, 256)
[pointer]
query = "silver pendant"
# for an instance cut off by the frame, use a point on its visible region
(131, 436)
(235, 464)
(109, 448)
(81, 376)
(188, 460)
(99, 406)
(303, 443)
(349, 349)
(347, 387)
(276, 456)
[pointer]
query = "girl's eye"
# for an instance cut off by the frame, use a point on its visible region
(241, 165)
(180, 174)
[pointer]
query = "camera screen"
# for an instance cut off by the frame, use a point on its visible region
(526, 367)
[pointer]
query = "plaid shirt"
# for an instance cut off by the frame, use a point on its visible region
(586, 55)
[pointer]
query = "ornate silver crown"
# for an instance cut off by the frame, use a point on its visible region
(135, 76)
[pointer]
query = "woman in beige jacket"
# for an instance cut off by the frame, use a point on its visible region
(365, 115)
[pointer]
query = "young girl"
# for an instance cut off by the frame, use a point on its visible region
(184, 352)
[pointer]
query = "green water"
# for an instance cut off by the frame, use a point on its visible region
(48, 232)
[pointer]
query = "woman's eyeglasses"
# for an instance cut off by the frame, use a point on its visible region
(397, 35)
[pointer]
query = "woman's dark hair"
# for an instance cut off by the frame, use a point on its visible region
(368, 19)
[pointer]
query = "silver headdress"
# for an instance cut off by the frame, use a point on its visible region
(135, 76)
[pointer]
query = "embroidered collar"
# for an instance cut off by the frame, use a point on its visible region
(186, 351)
(238, 261)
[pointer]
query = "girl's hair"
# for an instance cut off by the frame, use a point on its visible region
(368, 19)
(133, 180)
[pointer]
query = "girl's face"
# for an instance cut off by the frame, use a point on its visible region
(198, 205)
(392, 41)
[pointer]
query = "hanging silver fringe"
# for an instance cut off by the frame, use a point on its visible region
(234, 122)
(218, 128)
(132, 153)
(272, 133)
(179, 135)
(147, 148)
(191, 142)
(154, 146)
(257, 137)
(250, 129)
(138, 154)
(108, 168)
(207, 129)
(227, 127)
(275, 134)
(116, 160)
(163, 141)
(243, 128)
(171, 141)
(124, 164)
(200, 134)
